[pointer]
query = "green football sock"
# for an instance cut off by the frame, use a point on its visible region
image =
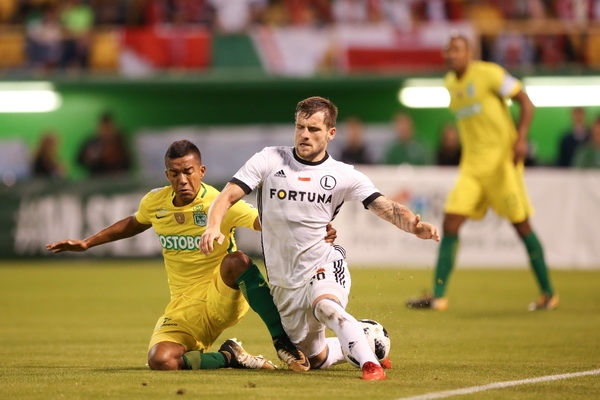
(538, 263)
(198, 360)
(256, 291)
(445, 263)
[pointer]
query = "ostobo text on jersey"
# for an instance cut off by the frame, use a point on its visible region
(180, 242)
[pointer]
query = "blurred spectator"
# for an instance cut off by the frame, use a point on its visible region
(513, 50)
(111, 12)
(308, 12)
(236, 16)
(197, 12)
(107, 151)
(595, 11)
(355, 150)
(77, 20)
(44, 37)
(588, 154)
(7, 10)
(575, 136)
(552, 49)
(430, 10)
(405, 148)
(45, 161)
(350, 11)
(449, 150)
(397, 12)
(180, 12)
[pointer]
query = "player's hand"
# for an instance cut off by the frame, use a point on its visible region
(520, 150)
(425, 230)
(207, 240)
(67, 245)
(331, 234)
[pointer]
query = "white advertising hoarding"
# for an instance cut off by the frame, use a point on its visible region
(566, 219)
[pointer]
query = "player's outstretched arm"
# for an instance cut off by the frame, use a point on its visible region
(122, 229)
(403, 218)
(526, 111)
(230, 194)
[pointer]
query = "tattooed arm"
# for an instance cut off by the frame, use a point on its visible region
(403, 218)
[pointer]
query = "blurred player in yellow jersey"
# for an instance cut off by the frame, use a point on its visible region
(208, 293)
(491, 165)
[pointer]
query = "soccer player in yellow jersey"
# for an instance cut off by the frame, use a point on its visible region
(491, 165)
(208, 293)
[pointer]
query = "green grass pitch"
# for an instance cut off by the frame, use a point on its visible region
(78, 329)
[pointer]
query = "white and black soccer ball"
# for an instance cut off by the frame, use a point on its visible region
(378, 339)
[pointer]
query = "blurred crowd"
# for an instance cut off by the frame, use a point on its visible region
(58, 31)
(106, 151)
(578, 147)
(238, 14)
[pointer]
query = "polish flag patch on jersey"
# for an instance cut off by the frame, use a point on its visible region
(303, 179)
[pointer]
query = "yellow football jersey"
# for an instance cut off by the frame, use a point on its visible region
(479, 102)
(179, 230)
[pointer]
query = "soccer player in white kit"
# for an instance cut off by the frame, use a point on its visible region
(301, 189)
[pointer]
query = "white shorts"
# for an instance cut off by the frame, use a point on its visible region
(295, 305)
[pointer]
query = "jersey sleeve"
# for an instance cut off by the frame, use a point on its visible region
(252, 172)
(363, 189)
(503, 83)
(241, 214)
(142, 215)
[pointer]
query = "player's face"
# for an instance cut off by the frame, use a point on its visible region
(312, 136)
(185, 175)
(457, 55)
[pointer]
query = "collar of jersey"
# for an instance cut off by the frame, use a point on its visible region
(301, 161)
(200, 194)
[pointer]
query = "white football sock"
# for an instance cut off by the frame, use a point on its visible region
(347, 328)
(334, 353)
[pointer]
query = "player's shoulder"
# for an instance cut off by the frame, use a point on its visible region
(346, 171)
(486, 67)
(283, 151)
(449, 77)
(342, 166)
(159, 192)
(276, 149)
(157, 196)
(209, 190)
(275, 152)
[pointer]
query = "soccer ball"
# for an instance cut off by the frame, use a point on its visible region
(378, 339)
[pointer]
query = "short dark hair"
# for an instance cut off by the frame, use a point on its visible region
(311, 105)
(459, 36)
(182, 148)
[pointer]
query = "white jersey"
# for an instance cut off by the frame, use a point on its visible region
(296, 201)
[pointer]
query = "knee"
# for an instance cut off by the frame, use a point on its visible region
(327, 310)
(523, 228)
(233, 265)
(452, 224)
(165, 357)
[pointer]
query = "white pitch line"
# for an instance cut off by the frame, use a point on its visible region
(498, 385)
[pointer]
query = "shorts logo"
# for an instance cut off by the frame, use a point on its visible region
(339, 273)
(320, 275)
(180, 218)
